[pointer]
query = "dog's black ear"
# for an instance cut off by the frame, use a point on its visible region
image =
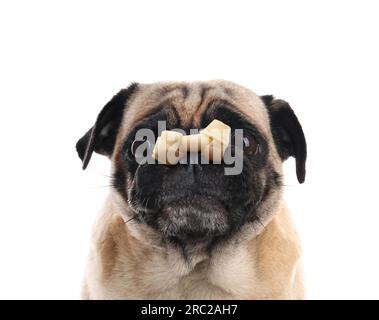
(102, 136)
(287, 132)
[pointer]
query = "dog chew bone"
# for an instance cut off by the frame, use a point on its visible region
(212, 142)
(219, 135)
(167, 148)
(218, 130)
(214, 151)
(194, 142)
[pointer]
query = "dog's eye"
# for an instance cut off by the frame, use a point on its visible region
(136, 144)
(250, 144)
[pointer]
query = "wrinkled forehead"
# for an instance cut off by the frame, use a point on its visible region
(190, 101)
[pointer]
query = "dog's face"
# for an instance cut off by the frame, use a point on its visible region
(192, 203)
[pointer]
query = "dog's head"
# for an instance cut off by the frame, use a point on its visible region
(197, 202)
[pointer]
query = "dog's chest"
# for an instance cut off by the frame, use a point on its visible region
(196, 286)
(228, 276)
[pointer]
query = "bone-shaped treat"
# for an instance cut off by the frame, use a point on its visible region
(218, 134)
(212, 142)
(167, 149)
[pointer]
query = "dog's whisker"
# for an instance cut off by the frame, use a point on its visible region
(103, 174)
(99, 187)
(132, 218)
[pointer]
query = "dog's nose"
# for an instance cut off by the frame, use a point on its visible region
(183, 175)
(190, 168)
(187, 172)
(193, 169)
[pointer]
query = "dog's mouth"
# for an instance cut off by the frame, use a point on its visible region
(197, 217)
(192, 218)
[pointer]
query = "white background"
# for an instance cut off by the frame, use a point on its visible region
(61, 61)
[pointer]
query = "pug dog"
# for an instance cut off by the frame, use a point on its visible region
(189, 231)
